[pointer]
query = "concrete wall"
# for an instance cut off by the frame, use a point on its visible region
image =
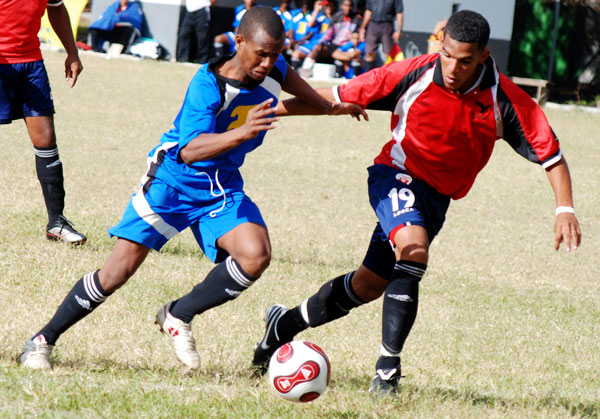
(420, 17)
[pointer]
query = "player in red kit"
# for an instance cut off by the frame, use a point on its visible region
(448, 111)
(25, 93)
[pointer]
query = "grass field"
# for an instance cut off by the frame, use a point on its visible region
(507, 327)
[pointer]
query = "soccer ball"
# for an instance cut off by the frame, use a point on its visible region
(299, 371)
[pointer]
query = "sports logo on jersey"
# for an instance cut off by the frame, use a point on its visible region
(482, 106)
(404, 178)
(239, 113)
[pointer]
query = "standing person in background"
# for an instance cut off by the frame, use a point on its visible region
(25, 93)
(378, 27)
(193, 43)
(121, 23)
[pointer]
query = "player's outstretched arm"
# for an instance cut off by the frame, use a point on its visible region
(208, 145)
(566, 226)
(59, 19)
(309, 101)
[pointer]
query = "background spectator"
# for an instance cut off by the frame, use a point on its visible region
(378, 27)
(225, 43)
(318, 24)
(349, 58)
(194, 33)
(342, 24)
(121, 23)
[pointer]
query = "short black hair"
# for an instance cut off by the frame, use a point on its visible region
(261, 18)
(469, 27)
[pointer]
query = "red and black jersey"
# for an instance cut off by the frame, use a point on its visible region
(20, 22)
(445, 138)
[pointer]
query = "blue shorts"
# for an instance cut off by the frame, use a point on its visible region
(157, 212)
(24, 91)
(400, 200)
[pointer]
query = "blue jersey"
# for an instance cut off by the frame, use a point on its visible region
(301, 27)
(239, 12)
(214, 104)
(286, 18)
(349, 46)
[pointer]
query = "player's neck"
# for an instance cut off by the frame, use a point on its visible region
(474, 78)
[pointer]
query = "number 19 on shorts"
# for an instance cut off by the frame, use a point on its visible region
(402, 200)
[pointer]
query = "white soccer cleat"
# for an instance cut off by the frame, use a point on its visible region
(181, 336)
(36, 354)
(63, 230)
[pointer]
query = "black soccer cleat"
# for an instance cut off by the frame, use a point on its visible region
(386, 380)
(271, 341)
(63, 230)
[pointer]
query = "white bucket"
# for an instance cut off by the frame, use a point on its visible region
(323, 71)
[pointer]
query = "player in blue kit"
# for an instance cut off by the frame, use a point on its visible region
(193, 180)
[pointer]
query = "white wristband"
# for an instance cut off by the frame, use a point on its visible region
(560, 210)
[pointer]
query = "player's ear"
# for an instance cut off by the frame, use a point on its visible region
(484, 55)
(239, 40)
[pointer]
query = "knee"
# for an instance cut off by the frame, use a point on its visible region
(112, 280)
(254, 259)
(367, 285)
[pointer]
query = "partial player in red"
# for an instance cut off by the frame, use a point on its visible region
(448, 111)
(25, 94)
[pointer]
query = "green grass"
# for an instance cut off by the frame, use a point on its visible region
(506, 328)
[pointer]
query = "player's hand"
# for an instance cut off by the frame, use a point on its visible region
(260, 118)
(396, 36)
(566, 230)
(73, 67)
(362, 34)
(345, 108)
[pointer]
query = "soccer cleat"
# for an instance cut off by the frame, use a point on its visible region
(36, 354)
(181, 336)
(62, 229)
(385, 382)
(271, 341)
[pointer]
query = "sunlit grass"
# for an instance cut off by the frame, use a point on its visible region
(506, 328)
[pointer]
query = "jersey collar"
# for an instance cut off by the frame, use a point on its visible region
(488, 80)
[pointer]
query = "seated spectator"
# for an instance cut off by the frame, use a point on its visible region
(350, 57)
(121, 23)
(300, 31)
(319, 23)
(341, 27)
(285, 14)
(225, 43)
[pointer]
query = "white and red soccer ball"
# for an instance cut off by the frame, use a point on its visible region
(299, 371)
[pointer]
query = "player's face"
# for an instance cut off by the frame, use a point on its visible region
(460, 63)
(258, 54)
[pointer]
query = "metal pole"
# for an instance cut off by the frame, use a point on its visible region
(554, 38)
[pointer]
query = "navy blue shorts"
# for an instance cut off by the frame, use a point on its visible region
(24, 91)
(399, 200)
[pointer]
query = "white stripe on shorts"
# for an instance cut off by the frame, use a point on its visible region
(146, 213)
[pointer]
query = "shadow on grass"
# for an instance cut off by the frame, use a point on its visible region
(475, 398)
(410, 392)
